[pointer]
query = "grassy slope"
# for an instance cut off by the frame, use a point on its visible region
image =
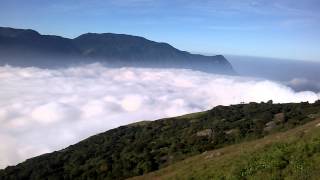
(294, 154)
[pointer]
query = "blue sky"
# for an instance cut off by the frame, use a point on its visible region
(286, 29)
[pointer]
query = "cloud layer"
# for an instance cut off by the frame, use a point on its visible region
(44, 110)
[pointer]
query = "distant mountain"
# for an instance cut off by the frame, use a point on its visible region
(29, 48)
(147, 146)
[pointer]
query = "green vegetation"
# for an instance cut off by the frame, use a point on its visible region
(140, 148)
(294, 154)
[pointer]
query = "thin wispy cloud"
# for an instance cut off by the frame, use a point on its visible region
(236, 28)
(281, 11)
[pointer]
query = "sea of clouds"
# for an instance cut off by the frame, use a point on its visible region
(44, 110)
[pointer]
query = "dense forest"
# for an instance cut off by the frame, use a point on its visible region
(147, 146)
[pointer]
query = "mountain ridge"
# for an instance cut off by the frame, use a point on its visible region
(26, 47)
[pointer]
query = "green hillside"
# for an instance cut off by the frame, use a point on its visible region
(148, 146)
(294, 154)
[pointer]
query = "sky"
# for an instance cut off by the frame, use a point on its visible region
(287, 29)
(42, 110)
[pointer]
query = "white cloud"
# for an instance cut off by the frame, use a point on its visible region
(131, 102)
(44, 110)
(53, 112)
